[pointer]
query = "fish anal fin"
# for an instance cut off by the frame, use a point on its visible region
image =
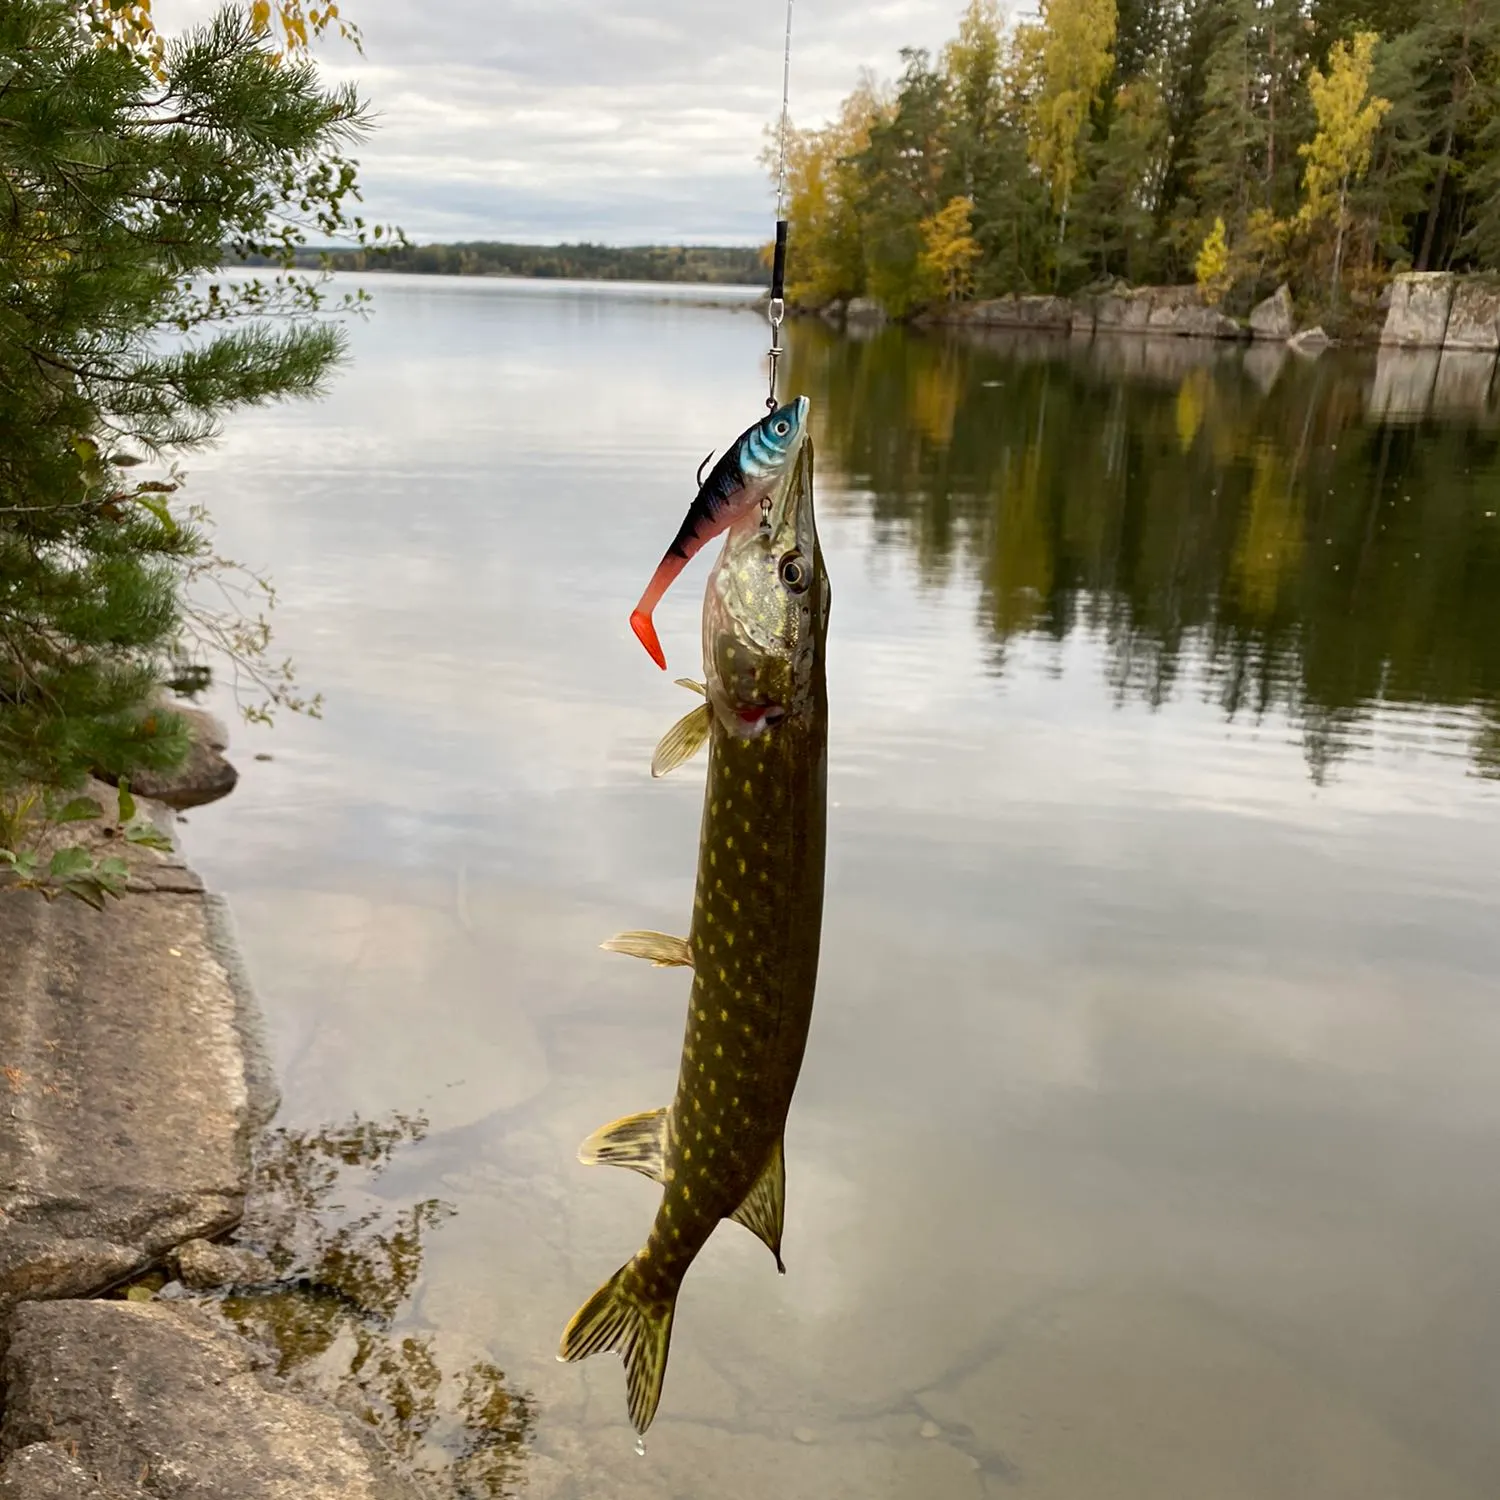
(682, 741)
(764, 1207)
(617, 1317)
(636, 1141)
(664, 951)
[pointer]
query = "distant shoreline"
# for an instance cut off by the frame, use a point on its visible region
(702, 265)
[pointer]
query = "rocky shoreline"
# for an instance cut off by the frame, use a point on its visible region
(1421, 309)
(134, 1085)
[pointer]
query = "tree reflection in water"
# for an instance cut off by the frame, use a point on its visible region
(345, 1280)
(1319, 540)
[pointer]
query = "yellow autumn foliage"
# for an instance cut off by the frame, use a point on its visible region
(130, 24)
(1269, 549)
(1067, 55)
(1348, 117)
(1339, 154)
(826, 255)
(1212, 266)
(949, 250)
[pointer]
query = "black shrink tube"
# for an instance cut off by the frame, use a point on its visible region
(778, 266)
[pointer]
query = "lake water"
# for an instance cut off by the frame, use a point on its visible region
(1145, 1144)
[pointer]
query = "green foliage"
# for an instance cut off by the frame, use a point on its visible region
(1255, 112)
(34, 857)
(1116, 210)
(1104, 138)
(125, 167)
(901, 172)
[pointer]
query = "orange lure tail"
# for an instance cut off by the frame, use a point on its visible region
(661, 580)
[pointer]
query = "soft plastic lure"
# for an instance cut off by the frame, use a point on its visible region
(747, 474)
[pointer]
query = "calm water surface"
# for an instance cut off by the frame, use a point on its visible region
(1145, 1144)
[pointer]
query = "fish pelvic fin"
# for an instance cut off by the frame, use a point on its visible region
(682, 741)
(764, 1207)
(636, 1141)
(691, 686)
(618, 1317)
(664, 952)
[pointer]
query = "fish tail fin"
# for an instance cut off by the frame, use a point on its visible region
(618, 1317)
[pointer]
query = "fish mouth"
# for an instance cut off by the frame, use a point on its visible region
(760, 716)
(794, 487)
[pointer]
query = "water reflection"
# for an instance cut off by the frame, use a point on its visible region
(1284, 534)
(718, 1150)
(335, 1314)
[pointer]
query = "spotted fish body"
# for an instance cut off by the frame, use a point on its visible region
(750, 469)
(753, 943)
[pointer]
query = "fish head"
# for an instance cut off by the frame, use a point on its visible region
(770, 448)
(765, 614)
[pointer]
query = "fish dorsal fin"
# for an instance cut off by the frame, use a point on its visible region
(664, 952)
(765, 1204)
(682, 741)
(637, 1141)
(692, 687)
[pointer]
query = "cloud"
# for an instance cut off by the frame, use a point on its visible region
(617, 120)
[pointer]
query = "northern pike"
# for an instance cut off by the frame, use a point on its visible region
(753, 944)
(751, 468)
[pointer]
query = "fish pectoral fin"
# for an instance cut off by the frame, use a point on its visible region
(765, 1204)
(617, 1317)
(665, 952)
(637, 1141)
(682, 741)
(691, 686)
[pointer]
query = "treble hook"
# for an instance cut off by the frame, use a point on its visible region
(703, 466)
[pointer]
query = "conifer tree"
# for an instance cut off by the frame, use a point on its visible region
(901, 172)
(126, 168)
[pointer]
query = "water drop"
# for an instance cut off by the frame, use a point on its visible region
(640, 1447)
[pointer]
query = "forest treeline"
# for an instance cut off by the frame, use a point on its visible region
(720, 265)
(1238, 143)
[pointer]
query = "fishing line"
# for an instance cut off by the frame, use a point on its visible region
(776, 307)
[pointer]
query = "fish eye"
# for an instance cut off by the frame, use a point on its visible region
(794, 572)
(782, 427)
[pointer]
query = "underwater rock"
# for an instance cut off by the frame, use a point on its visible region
(201, 1265)
(204, 776)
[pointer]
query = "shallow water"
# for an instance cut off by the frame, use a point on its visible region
(1144, 1144)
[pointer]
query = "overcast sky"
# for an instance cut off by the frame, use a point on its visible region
(628, 121)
